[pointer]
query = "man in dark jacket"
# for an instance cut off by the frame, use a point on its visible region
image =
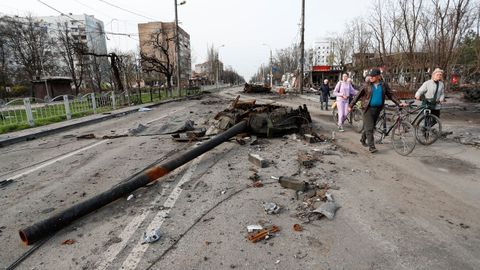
(324, 94)
(372, 96)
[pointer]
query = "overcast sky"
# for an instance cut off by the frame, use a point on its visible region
(242, 25)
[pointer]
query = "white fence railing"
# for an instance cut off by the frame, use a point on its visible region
(24, 112)
(32, 111)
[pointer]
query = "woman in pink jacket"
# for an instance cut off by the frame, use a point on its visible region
(343, 90)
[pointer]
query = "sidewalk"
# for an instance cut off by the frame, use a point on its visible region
(41, 131)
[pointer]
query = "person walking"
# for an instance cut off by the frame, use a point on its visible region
(372, 96)
(343, 90)
(324, 94)
(432, 92)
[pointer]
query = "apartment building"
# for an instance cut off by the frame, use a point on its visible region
(148, 31)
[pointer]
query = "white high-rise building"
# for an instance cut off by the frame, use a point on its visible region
(85, 29)
(322, 49)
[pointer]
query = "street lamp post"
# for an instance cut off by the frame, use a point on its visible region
(178, 45)
(271, 65)
(218, 63)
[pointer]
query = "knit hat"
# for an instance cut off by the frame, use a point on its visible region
(437, 70)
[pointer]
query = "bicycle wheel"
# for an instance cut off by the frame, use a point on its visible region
(380, 130)
(403, 138)
(356, 117)
(428, 129)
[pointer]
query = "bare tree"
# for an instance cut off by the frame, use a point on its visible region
(341, 49)
(384, 27)
(31, 45)
(160, 59)
(451, 20)
(5, 56)
(71, 51)
(231, 76)
(212, 62)
(286, 60)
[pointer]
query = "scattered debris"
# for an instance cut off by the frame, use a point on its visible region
(255, 88)
(253, 140)
(327, 209)
(297, 227)
(292, 183)
(5, 183)
(86, 136)
(243, 139)
(114, 136)
(271, 208)
(257, 184)
(312, 137)
(196, 133)
(254, 228)
(309, 138)
(139, 129)
(257, 160)
(130, 197)
(185, 138)
(153, 236)
(305, 195)
(263, 234)
(254, 177)
(306, 160)
(68, 242)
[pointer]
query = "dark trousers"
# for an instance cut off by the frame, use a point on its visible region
(324, 100)
(370, 118)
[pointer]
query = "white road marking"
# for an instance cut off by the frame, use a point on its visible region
(132, 261)
(125, 235)
(50, 162)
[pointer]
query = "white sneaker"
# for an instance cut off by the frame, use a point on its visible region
(340, 128)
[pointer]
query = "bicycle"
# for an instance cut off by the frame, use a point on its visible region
(403, 132)
(354, 117)
(428, 127)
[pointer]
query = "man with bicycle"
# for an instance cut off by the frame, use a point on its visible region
(432, 92)
(372, 96)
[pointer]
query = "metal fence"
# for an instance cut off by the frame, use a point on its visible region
(34, 111)
(29, 112)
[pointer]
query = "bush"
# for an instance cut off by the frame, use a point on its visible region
(19, 91)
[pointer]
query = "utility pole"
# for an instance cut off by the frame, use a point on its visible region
(302, 45)
(177, 49)
(271, 70)
(218, 65)
(271, 65)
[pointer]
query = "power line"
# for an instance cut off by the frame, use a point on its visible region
(87, 6)
(92, 32)
(61, 13)
(126, 10)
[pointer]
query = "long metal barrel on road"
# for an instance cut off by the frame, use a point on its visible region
(55, 223)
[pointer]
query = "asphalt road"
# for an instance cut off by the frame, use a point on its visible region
(415, 212)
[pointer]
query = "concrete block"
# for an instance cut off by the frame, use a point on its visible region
(257, 160)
